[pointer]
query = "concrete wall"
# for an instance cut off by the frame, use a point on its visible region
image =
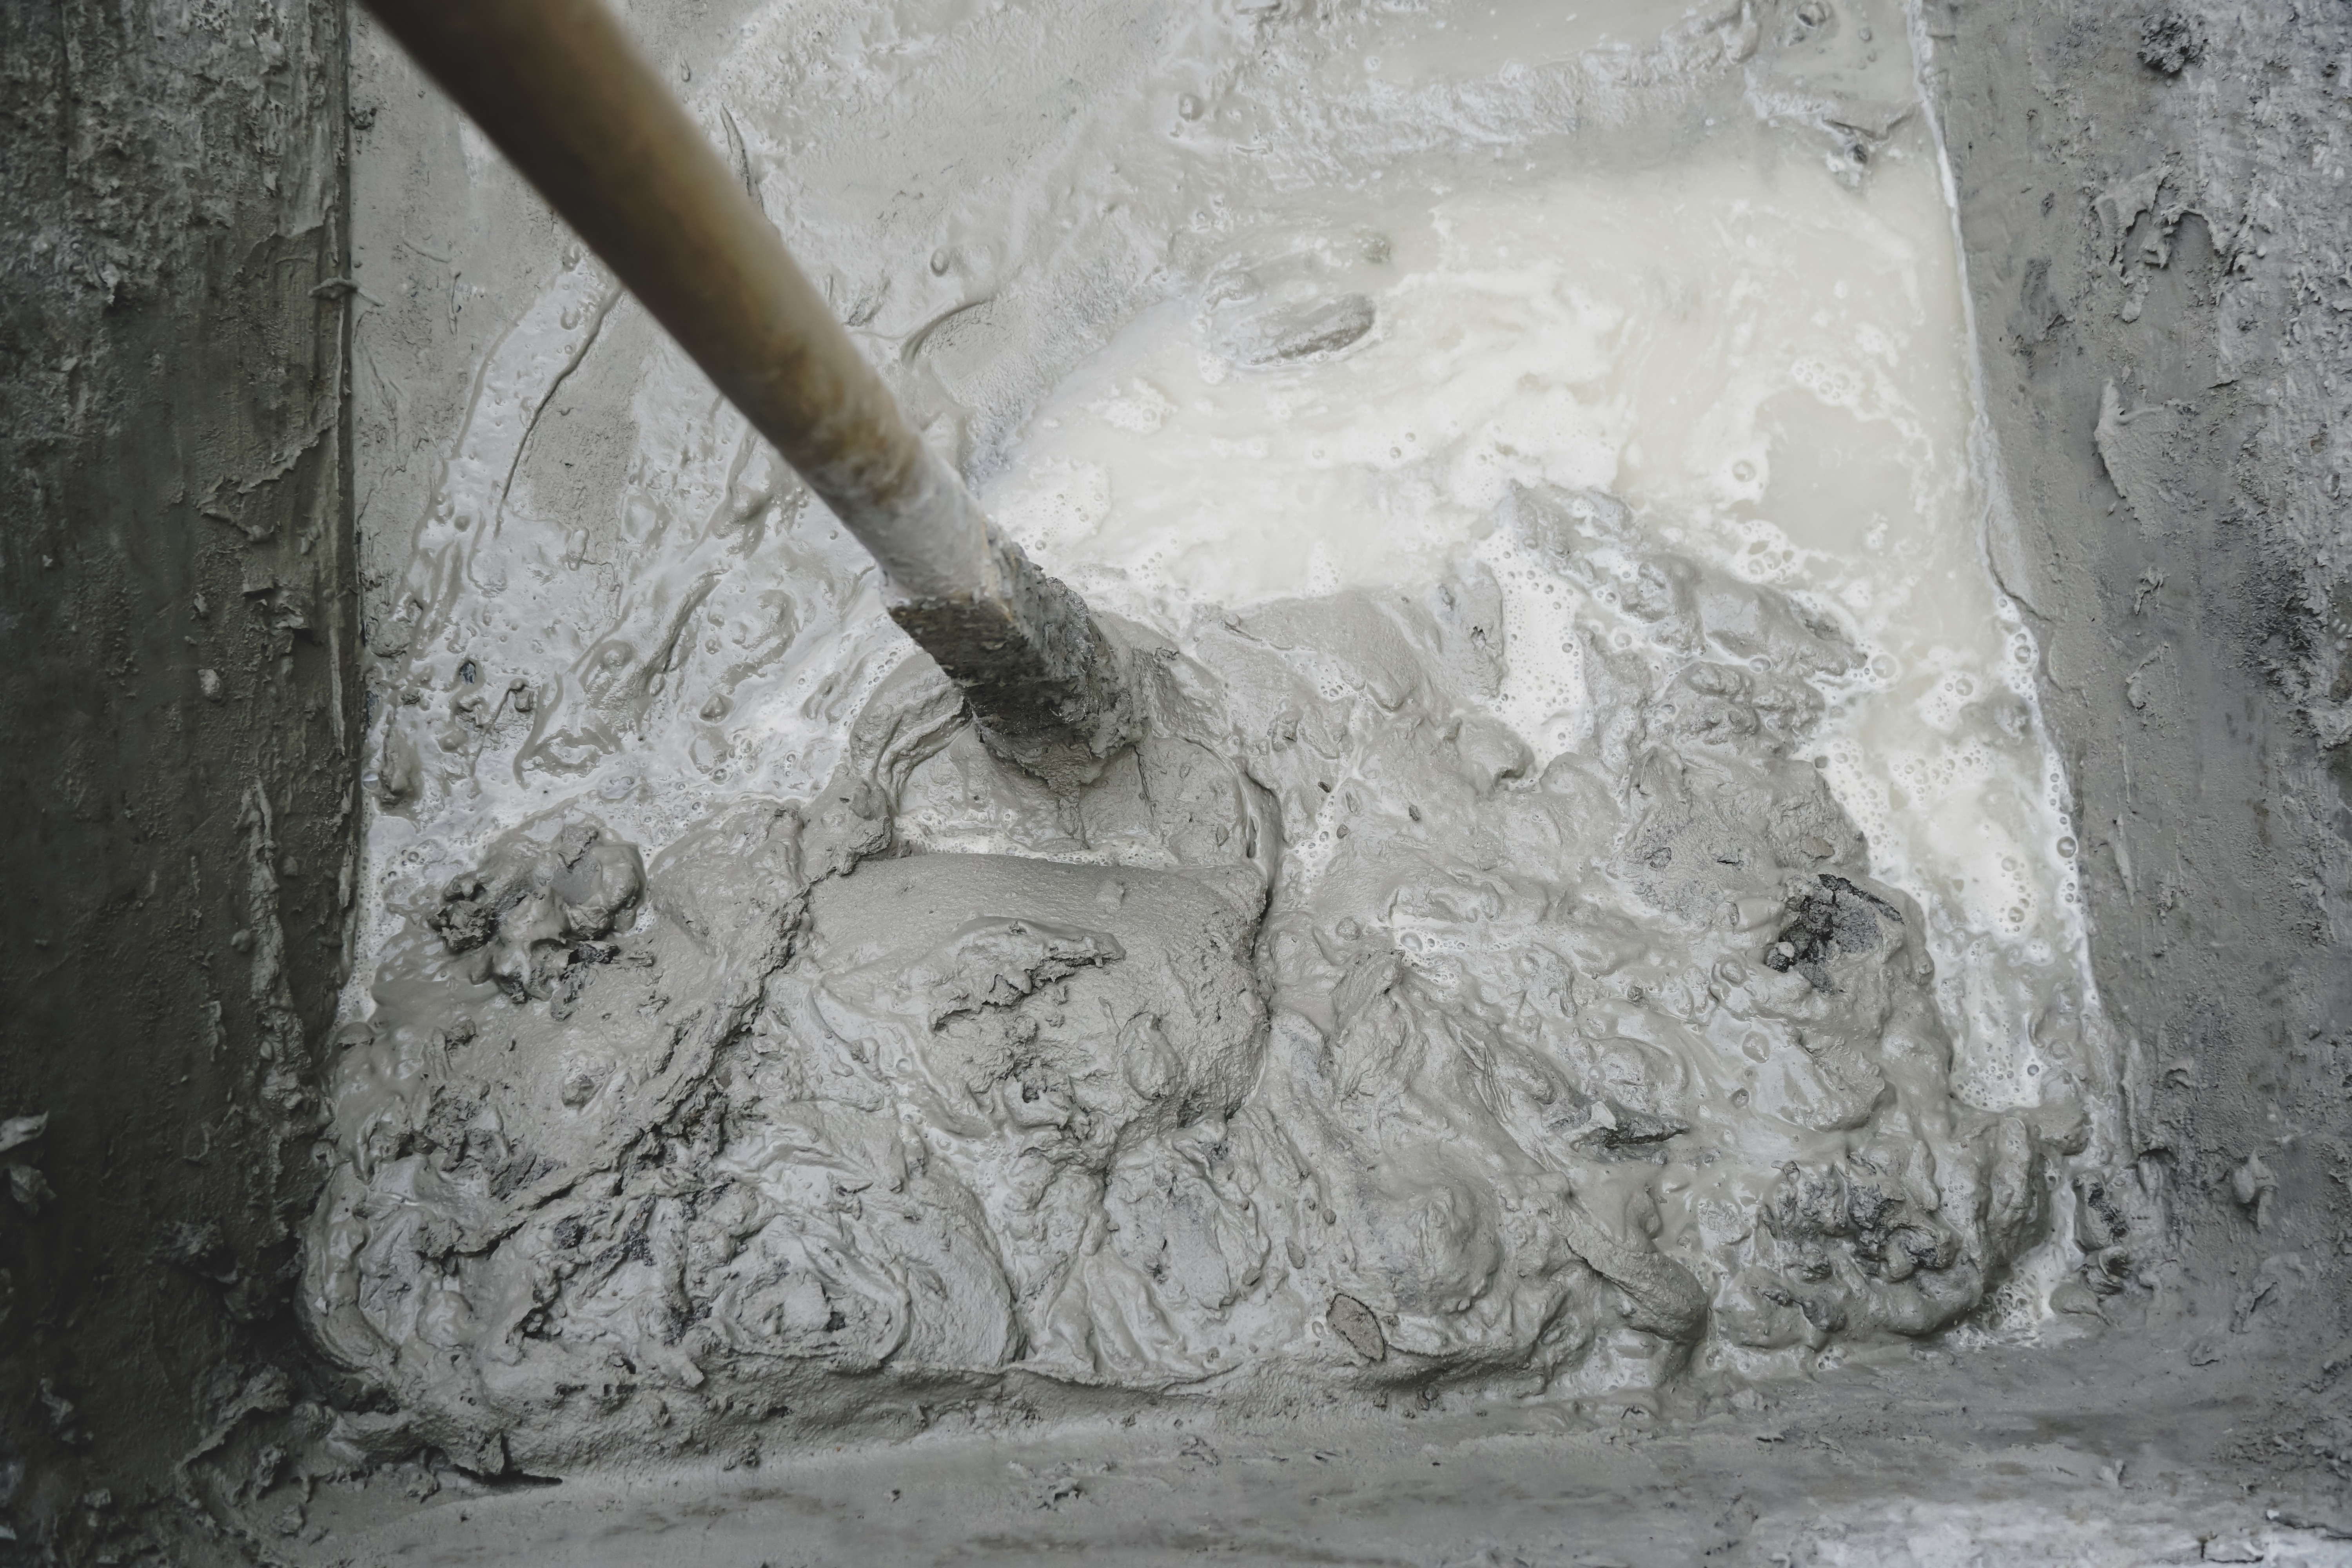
(177, 699)
(2157, 221)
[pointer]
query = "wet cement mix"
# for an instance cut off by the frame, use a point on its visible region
(1590, 912)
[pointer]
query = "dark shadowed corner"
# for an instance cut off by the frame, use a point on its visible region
(175, 608)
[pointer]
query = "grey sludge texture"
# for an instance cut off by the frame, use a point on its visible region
(1319, 1039)
(2151, 210)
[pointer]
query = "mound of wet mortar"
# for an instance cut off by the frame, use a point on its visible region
(1324, 1045)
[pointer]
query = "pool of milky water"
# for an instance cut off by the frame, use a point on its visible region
(1767, 360)
(1607, 906)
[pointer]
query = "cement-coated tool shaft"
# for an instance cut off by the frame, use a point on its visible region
(558, 86)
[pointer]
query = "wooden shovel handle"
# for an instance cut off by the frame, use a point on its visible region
(559, 89)
(568, 99)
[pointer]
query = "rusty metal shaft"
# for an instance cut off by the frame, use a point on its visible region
(559, 89)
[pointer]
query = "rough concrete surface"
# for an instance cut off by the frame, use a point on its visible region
(2153, 205)
(1914, 1463)
(179, 712)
